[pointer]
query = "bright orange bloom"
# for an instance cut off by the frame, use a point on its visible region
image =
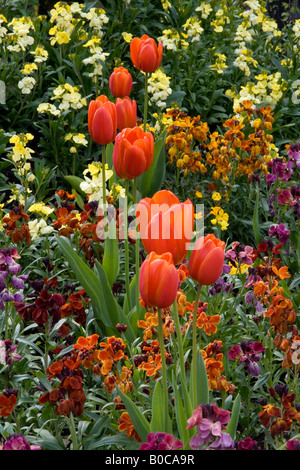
(260, 288)
(120, 82)
(166, 224)
(113, 351)
(282, 273)
(102, 120)
(208, 323)
(158, 280)
(152, 365)
(207, 259)
(133, 152)
(126, 113)
(87, 343)
(148, 324)
(145, 54)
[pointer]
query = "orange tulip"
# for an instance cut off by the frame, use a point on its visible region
(102, 120)
(120, 82)
(145, 54)
(133, 152)
(207, 260)
(166, 224)
(158, 280)
(126, 113)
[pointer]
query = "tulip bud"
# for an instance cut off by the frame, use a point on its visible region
(126, 113)
(207, 260)
(145, 54)
(158, 280)
(120, 82)
(102, 120)
(133, 152)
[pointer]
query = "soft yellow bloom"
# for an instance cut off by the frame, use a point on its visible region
(28, 68)
(41, 209)
(127, 37)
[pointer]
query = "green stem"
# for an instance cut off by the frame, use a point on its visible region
(146, 102)
(137, 252)
(47, 327)
(164, 369)
(194, 345)
(126, 243)
(74, 163)
(179, 340)
(73, 431)
(104, 180)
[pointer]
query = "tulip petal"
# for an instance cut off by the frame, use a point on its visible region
(211, 267)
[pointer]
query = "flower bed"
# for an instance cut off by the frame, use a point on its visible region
(149, 227)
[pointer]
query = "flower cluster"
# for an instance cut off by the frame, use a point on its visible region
(280, 417)
(248, 353)
(68, 397)
(17, 442)
(213, 360)
(210, 422)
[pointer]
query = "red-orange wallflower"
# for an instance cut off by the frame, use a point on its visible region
(7, 404)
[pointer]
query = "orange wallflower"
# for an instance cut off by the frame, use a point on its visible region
(152, 365)
(125, 424)
(208, 323)
(282, 273)
(113, 351)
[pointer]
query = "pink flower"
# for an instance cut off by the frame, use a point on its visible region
(285, 197)
(161, 441)
(18, 442)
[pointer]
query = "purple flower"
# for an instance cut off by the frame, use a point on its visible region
(279, 231)
(18, 442)
(161, 441)
(250, 297)
(7, 352)
(224, 442)
(248, 353)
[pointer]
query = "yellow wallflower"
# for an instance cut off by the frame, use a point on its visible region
(41, 209)
(216, 196)
(127, 37)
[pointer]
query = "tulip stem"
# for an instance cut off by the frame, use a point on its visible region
(126, 243)
(104, 183)
(146, 102)
(194, 346)
(179, 339)
(163, 368)
(137, 252)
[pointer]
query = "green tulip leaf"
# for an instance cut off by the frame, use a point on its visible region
(233, 423)
(201, 381)
(157, 420)
(111, 262)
